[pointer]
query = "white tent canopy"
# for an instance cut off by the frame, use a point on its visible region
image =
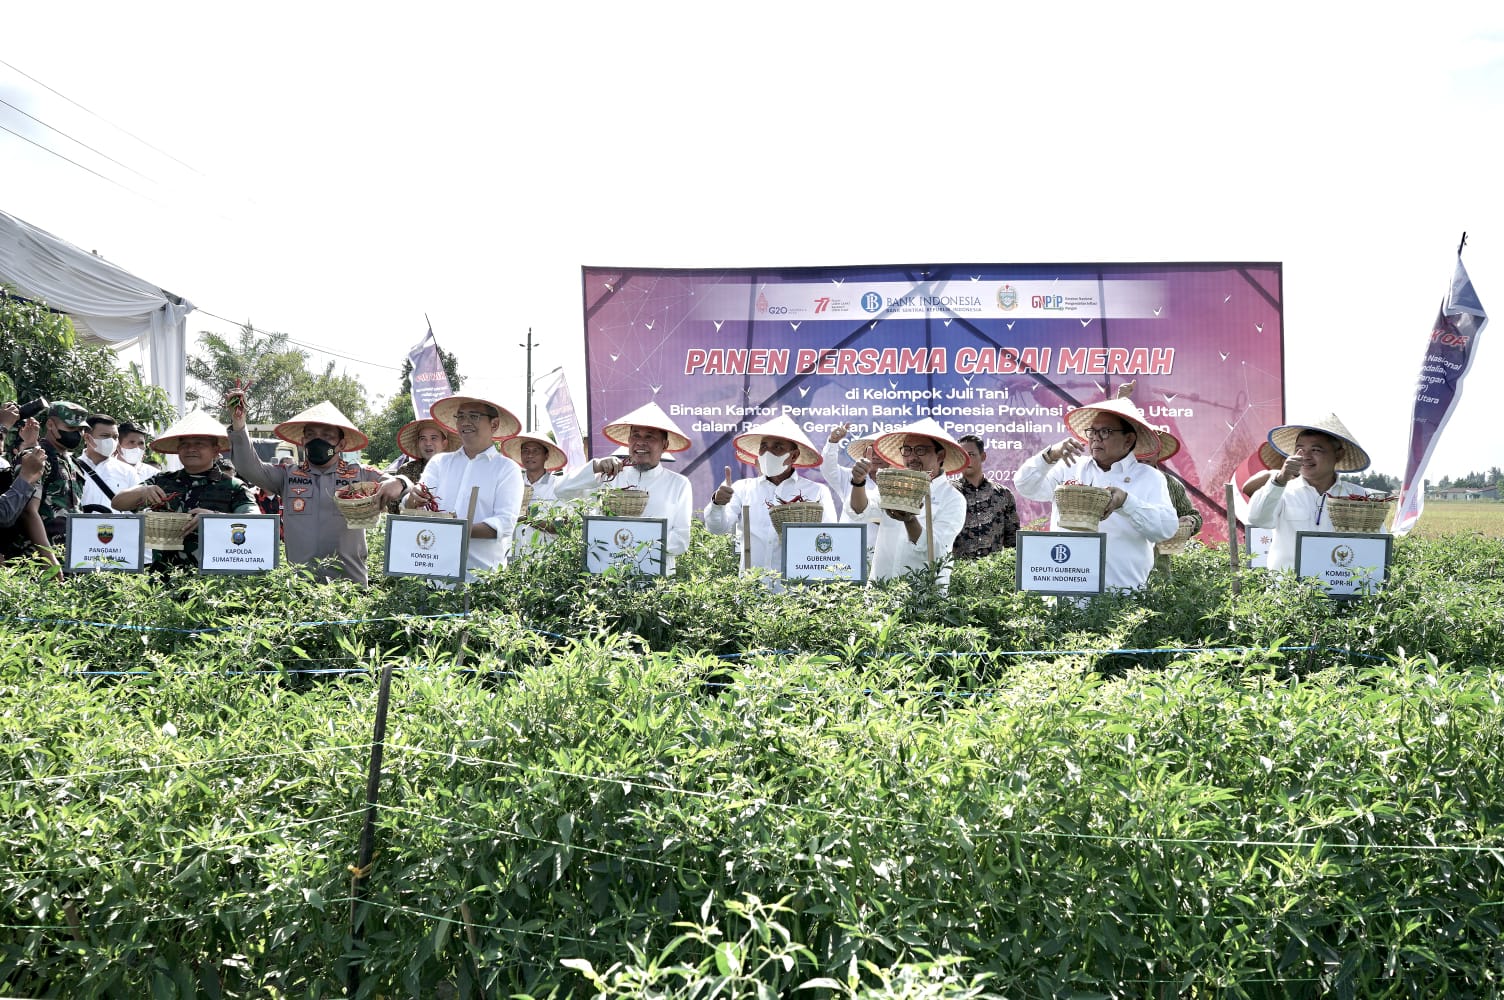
(106, 303)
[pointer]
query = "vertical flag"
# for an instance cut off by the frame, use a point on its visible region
(1449, 355)
(561, 417)
(429, 382)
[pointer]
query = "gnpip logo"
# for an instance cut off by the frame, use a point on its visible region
(872, 302)
(1060, 552)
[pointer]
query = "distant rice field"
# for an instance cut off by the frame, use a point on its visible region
(1448, 517)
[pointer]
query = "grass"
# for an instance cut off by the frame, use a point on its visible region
(1449, 517)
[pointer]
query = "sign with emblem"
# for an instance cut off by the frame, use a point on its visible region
(821, 553)
(1066, 563)
(1348, 565)
(1256, 543)
(114, 543)
(636, 544)
(434, 548)
(238, 543)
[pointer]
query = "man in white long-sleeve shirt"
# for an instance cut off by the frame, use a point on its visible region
(1139, 512)
(647, 432)
(1294, 498)
(477, 465)
(539, 458)
(903, 541)
(779, 448)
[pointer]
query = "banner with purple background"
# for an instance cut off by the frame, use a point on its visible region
(559, 406)
(1449, 354)
(998, 350)
(429, 381)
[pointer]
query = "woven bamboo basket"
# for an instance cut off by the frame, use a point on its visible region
(164, 530)
(1175, 544)
(1081, 508)
(798, 512)
(363, 512)
(420, 512)
(1357, 515)
(902, 489)
(625, 502)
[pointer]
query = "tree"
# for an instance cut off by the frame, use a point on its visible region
(399, 410)
(40, 356)
(281, 384)
(1378, 481)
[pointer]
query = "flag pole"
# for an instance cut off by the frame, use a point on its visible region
(1462, 243)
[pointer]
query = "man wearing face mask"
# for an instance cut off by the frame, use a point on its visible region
(63, 486)
(779, 448)
(103, 477)
(132, 452)
(313, 530)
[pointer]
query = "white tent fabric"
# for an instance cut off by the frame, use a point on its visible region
(106, 303)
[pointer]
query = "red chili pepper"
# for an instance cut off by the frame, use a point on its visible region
(162, 503)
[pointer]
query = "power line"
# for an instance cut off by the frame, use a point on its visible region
(299, 343)
(79, 142)
(96, 173)
(102, 118)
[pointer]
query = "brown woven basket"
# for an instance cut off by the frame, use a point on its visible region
(420, 512)
(364, 512)
(1081, 508)
(1357, 515)
(164, 530)
(798, 512)
(625, 502)
(902, 489)
(1176, 543)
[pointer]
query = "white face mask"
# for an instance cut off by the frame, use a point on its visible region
(105, 446)
(131, 456)
(773, 465)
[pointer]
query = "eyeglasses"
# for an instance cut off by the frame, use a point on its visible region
(916, 450)
(1102, 433)
(475, 415)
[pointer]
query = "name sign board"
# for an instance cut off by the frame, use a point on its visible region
(434, 548)
(637, 543)
(237, 543)
(114, 543)
(824, 552)
(1347, 564)
(1061, 562)
(1256, 543)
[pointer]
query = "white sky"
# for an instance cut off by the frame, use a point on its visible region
(353, 166)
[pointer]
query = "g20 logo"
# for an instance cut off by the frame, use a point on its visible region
(1060, 552)
(872, 302)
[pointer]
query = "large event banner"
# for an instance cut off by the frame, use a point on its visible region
(996, 350)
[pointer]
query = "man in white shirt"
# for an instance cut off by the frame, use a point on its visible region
(104, 476)
(1139, 512)
(539, 458)
(1294, 498)
(907, 541)
(647, 432)
(779, 449)
(449, 478)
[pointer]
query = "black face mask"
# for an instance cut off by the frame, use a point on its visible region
(319, 451)
(70, 439)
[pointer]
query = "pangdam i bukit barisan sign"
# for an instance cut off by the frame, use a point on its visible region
(996, 350)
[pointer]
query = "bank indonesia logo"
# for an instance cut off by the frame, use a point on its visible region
(872, 302)
(237, 533)
(1007, 298)
(1342, 555)
(1060, 552)
(823, 543)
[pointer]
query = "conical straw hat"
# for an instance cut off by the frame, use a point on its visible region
(647, 415)
(326, 412)
(1146, 438)
(196, 424)
(1354, 458)
(407, 437)
(954, 458)
(554, 460)
(444, 410)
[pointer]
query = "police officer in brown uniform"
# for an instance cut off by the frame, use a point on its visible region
(313, 530)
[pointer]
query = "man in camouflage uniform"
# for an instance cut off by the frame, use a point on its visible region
(201, 486)
(313, 530)
(62, 487)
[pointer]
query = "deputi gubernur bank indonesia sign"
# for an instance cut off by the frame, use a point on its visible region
(1000, 351)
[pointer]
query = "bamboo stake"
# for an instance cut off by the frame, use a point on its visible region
(1232, 539)
(361, 870)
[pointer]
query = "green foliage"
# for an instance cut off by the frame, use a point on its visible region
(41, 356)
(706, 787)
(281, 383)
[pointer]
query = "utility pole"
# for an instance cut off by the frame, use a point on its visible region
(528, 405)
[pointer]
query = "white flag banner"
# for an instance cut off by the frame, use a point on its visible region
(563, 420)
